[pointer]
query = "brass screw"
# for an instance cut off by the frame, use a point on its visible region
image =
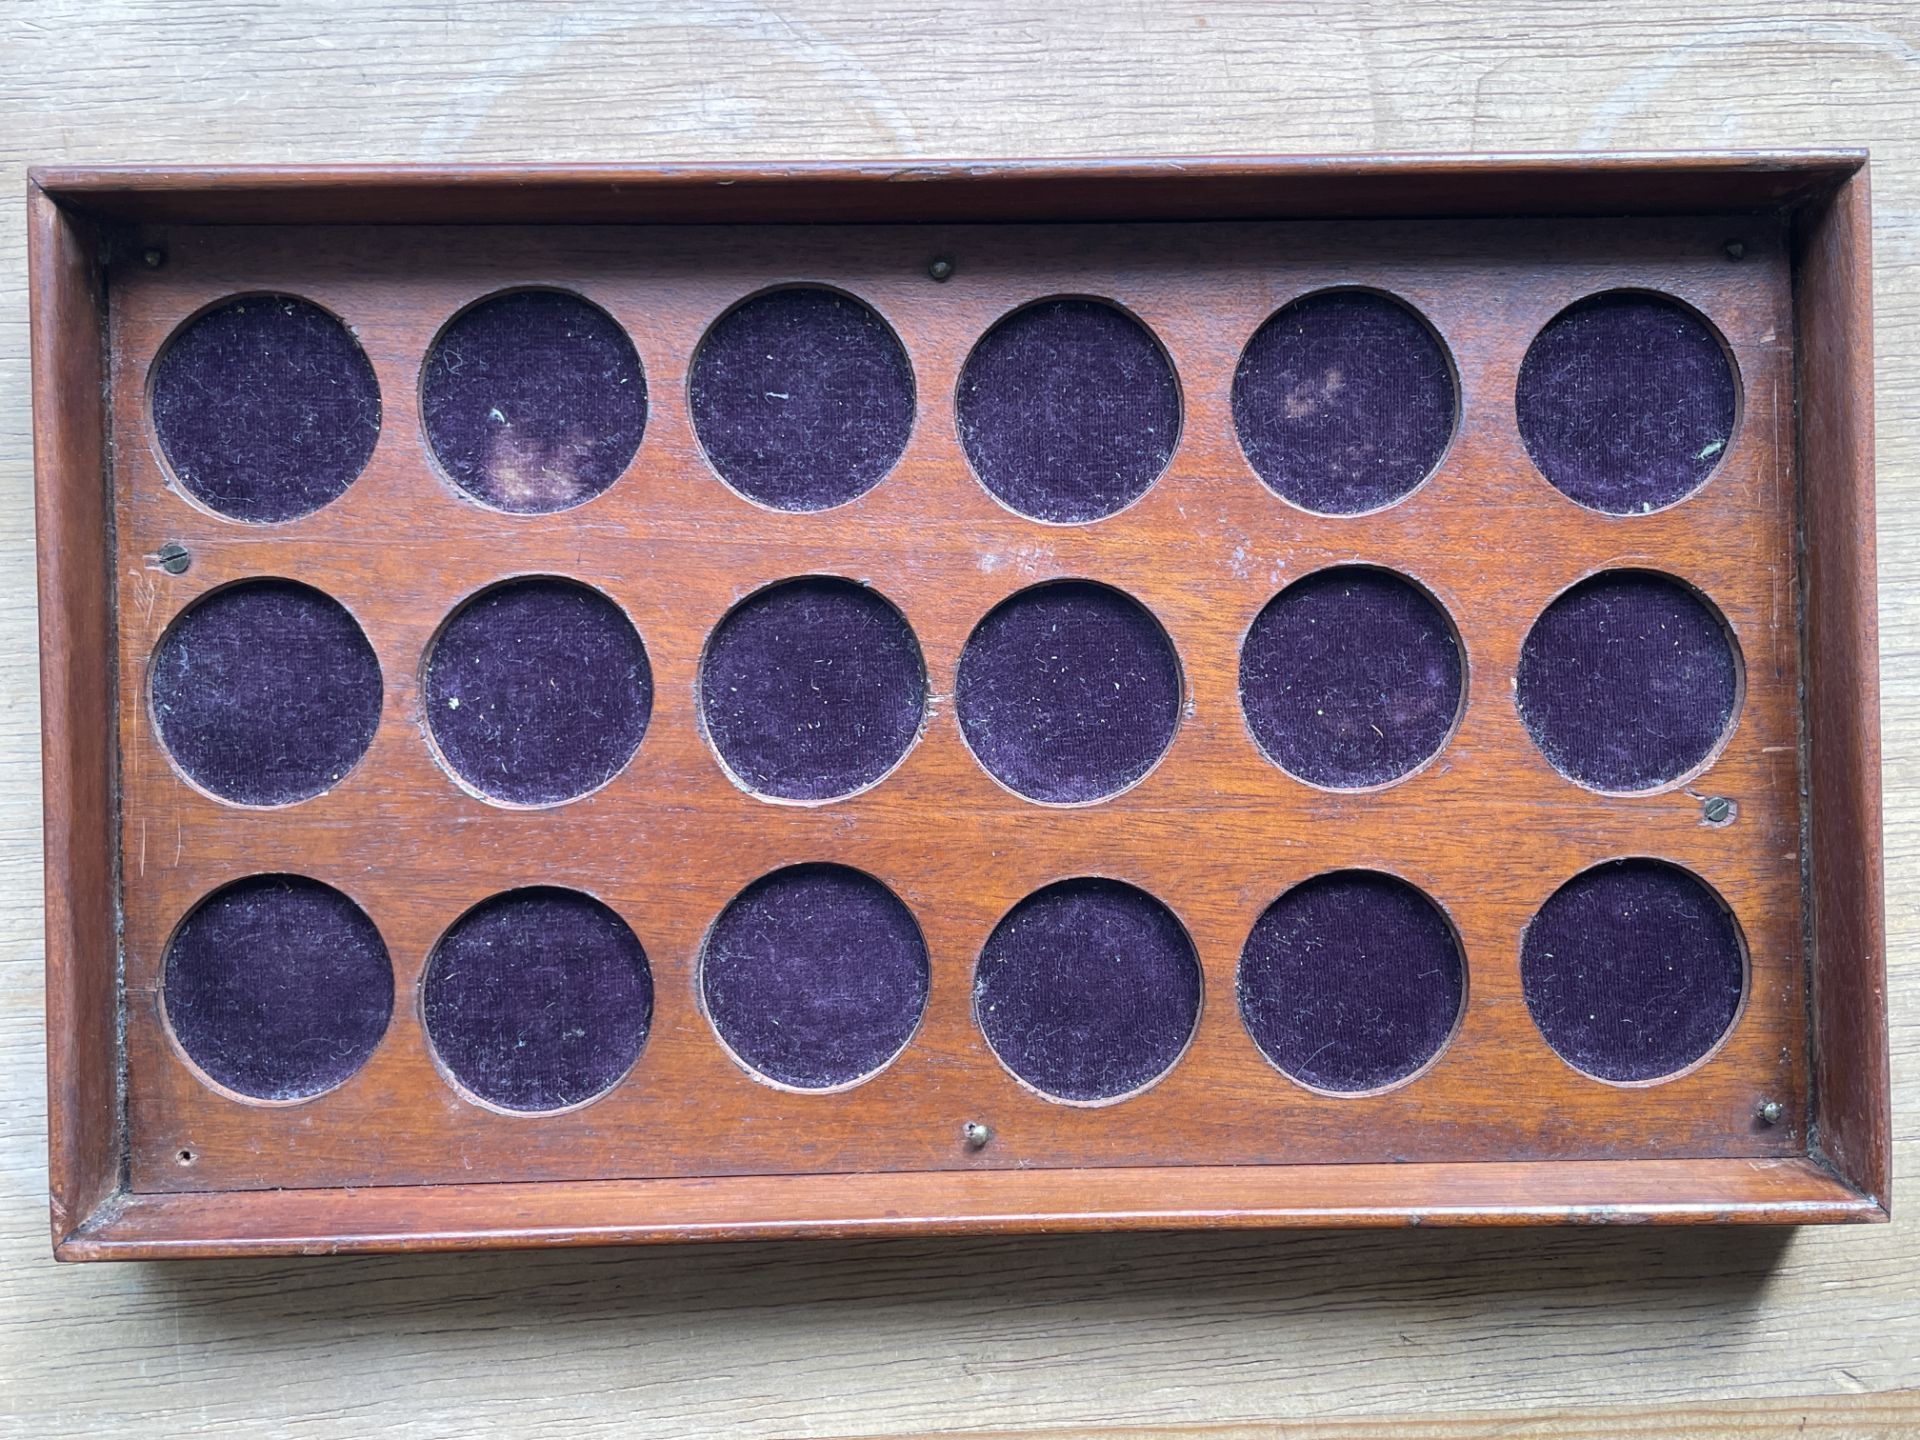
(976, 1134)
(173, 558)
(154, 257)
(1718, 809)
(940, 268)
(1772, 1112)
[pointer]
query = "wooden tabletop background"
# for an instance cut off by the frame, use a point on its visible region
(1587, 1333)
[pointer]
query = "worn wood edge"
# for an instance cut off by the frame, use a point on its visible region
(142, 1226)
(1091, 189)
(86, 1125)
(1852, 1122)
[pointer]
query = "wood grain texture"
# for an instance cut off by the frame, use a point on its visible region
(874, 1337)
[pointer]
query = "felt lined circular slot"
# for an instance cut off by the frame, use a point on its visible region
(802, 397)
(265, 692)
(815, 976)
(1344, 401)
(538, 1000)
(1351, 982)
(1088, 990)
(1068, 692)
(1626, 401)
(1068, 410)
(1628, 681)
(277, 987)
(538, 691)
(533, 401)
(812, 689)
(1633, 970)
(1351, 677)
(265, 407)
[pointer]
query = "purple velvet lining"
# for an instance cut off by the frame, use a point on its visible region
(278, 987)
(533, 401)
(538, 690)
(1632, 970)
(1068, 410)
(802, 398)
(1351, 981)
(815, 976)
(265, 407)
(265, 692)
(1350, 677)
(1068, 692)
(538, 999)
(812, 688)
(1626, 401)
(1627, 681)
(1088, 989)
(1344, 401)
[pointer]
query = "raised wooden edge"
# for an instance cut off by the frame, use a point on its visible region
(1137, 188)
(85, 1125)
(1852, 1122)
(460, 1217)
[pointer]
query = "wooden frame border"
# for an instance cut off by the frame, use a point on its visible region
(78, 217)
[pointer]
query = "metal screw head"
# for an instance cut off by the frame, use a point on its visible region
(976, 1134)
(154, 257)
(173, 558)
(1717, 809)
(940, 268)
(1735, 249)
(1772, 1112)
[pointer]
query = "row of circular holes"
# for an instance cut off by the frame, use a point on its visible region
(269, 960)
(538, 691)
(1345, 401)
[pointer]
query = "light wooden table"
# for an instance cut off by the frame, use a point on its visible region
(1699, 1332)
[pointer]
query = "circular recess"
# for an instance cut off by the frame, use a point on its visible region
(533, 401)
(802, 398)
(1068, 692)
(265, 692)
(812, 689)
(1351, 981)
(538, 999)
(277, 987)
(538, 691)
(265, 407)
(1633, 970)
(1088, 990)
(1351, 677)
(1628, 681)
(815, 976)
(1344, 401)
(1068, 410)
(1627, 401)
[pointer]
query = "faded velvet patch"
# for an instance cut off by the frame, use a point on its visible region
(1632, 970)
(1350, 677)
(1068, 410)
(812, 688)
(815, 976)
(1351, 981)
(1344, 401)
(802, 398)
(278, 987)
(1626, 401)
(538, 691)
(538, 999)
(265, 692)
(265, 407)
(1627, 681)
(533, 401)
(1088, 989)
(1068, 692)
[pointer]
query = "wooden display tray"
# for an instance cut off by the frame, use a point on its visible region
(1787, 1122)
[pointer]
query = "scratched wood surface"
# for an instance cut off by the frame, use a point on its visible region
(891, 1338)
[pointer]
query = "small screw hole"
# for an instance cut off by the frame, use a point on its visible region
(185, 1157)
